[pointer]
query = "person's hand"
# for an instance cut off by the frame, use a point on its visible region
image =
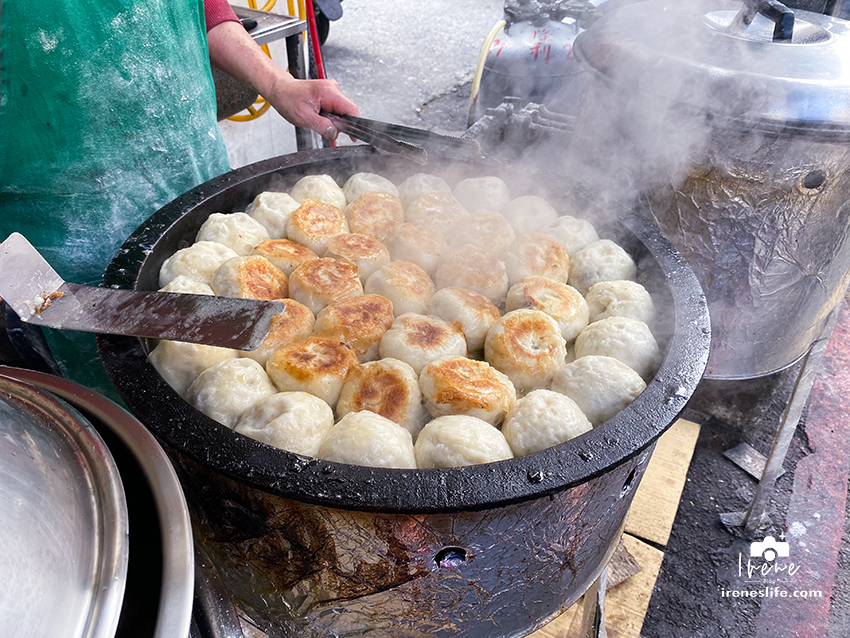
(299, 101)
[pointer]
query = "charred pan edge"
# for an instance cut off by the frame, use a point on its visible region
(308, 480)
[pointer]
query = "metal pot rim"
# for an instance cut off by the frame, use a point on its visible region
(329, 484)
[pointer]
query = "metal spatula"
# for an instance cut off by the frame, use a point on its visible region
(40, 296)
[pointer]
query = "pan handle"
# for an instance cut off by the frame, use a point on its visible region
(782, 17)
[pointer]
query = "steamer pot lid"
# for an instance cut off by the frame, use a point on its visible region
(64, 525)
(698, 55)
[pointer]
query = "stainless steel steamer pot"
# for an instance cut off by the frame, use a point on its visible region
(312, 548)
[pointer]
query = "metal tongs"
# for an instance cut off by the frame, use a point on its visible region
(411, 143)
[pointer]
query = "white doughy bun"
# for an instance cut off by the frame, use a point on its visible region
(602, 260)
(417, 244)
(485, 229)
(420, 183)
(620, 299)
(321, 188)
(199, 261)
(472, 311)
(527, 346)
(437, 210)
(251, 277)
(313, 223)
(285, 254)
(475, 269)
(542, 419)
(529, 213)
(625, 339)
(388, 387)
(458, 440)
(375, 214)
(294, 421)
(238, 231)
(457, 385)
(405, 284)
(225, 391)
(180, 363)
(359, 323)
(536, 255)
(417, 339)
(187, 286)
(320, 282)
(316, 365)
(573, 233)
(361, 183)
(601, 386)
(367, 253)
(366, 438)
(293, 324)
(482, 193)
(272, 210)
(560, 301)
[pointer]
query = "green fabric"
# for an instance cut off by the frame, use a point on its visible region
(107, 112)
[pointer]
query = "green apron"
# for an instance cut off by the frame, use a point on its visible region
(107, 112)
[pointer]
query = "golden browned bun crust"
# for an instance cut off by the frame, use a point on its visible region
(367, 253)
(405, 284)
(320, 282)
(285, 254)
(435, 209)
(293, 324)
(314, 223)
(375, 214)
(252, 277)
(418, 339)
(560, 301)
(537, 255)
(359, 322)
(475, 269)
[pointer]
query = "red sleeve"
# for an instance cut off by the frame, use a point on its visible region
(218, 11)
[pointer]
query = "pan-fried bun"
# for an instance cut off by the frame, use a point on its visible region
(418, 244)
(321, 188)
(625, 339)
(187, 286)
(560, 301)
(316, 365)
(375, 214)
(199, 261)
(180, 363)
(293, 324)
(482, 193)
(542, 419)
(415, 185)
(573, 233)
(294, 421)
(319, 282)
(225, 391)
(367, 253)
(388, 387)
(405, 284)
(272, 210)
(472, 311)
(285, 254)
(358, 322)
(485, 229)
(457, 385)
(601, 386)
(252, 277)
(602, 260)
(458, 440)
(238, 231)
(361, 183)
(437, 210)
(313, 223)
(536, 255)
(620, 299)
(417, 339)
(366, 438)
(475, 269)
(527, 346)
(529, 213)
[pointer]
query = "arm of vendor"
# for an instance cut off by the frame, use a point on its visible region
(234, 51)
